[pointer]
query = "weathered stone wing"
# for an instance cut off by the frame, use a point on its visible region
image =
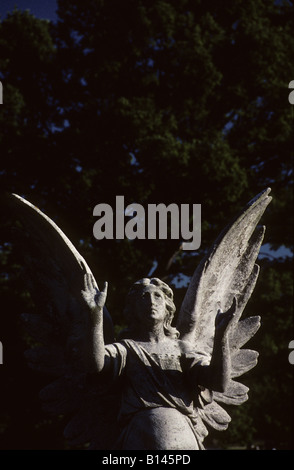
(228, 270)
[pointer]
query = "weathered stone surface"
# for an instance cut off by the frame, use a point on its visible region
(161, 387)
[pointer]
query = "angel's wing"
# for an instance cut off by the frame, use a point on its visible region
(229, 270)
(55, 271)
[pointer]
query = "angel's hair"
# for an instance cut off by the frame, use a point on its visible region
(170, 307)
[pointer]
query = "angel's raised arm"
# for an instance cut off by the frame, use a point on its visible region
(95, 301)
(216, 375)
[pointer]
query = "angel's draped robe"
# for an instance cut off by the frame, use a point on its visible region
(157, 410)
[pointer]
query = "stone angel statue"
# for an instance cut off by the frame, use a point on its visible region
(158, 386)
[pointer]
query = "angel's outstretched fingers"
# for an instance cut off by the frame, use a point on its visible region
(87, 282)
(84, 291)
(230, 313)
(234, 305)
(92, 282)
(105, 287)
(224, 319)
(219, 315)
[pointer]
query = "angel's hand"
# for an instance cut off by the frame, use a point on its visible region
(223, 319)
(94, 298)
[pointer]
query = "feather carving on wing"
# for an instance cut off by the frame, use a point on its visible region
(228, 271)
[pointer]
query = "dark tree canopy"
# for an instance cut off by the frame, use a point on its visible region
(161, 102)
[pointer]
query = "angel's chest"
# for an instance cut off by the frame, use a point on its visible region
(168, 361)
(167, 355)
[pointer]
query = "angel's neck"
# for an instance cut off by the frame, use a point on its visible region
(154, 335)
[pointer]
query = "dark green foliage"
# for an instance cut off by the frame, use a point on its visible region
(160, 101)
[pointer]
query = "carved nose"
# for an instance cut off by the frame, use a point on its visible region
(150, 300)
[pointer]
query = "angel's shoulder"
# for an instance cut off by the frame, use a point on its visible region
(116, 348)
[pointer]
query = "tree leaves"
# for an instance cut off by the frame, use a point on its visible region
(179, 101)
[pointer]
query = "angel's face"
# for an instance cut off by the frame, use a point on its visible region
(150, 304)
